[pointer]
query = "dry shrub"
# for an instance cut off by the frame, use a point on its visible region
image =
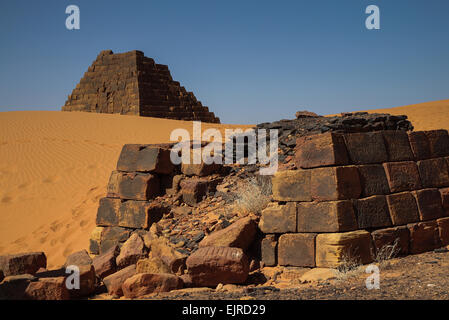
(387, 252)
(254, 195)
(350, 264)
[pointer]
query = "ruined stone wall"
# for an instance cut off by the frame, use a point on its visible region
(355, 194)
(130, 83)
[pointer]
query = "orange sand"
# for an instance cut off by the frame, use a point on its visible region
(54, 167)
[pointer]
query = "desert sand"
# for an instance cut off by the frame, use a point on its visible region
(54, 168)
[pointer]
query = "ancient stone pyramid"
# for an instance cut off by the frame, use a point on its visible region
(130, 83)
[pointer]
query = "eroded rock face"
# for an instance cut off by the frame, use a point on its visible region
(145, 283)
(22, 263)
(210, 266)
(240, 234)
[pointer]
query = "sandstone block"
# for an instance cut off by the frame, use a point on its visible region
(131, 251)
(403, 208)
(335, 183)
(373, 180)
(113, 185)
(419, 144)
(292, 185)
(193, 191)
(95, 240)
(429, 204)
(107, 213)
(402, 176)
(329, 216)
(138, 186)
(398, 145)
(154, 159)
(278, 218)
(433, 173)
(79, 258)
(115, 281)
(23, 263)
(445, 200)
(319, 150)
(240, 234)
(88, 282)
(424, 236)
(297, 249)
(443, 230)
(333, 248)
(140, 214)
(152, 265)
(48, 289)
(112, 236)
(209, 266)
(438, 143)
(146, 283)
(13, 287)
(201, 169)
(385, 239)
(268, 249)
(372, 212)
(105, 264)
(366, 147)
(161, 248)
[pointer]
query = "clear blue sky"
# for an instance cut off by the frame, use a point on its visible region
(249, 61)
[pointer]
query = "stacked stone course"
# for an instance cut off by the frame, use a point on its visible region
(130, 83)
(354, 193)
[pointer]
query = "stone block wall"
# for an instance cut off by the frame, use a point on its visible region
(354, 194)
(130, 83)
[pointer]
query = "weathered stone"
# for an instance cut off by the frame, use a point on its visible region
(443, 230)
(366, 147)
(402, 176)
(319, 150)
(268, 250)
(305, 114)
(403, 208)
(372, 212)
(87, 280)
(112, 236)
(329, 216)
(113, 185)
(79, 258)
(22, 263)
(385, 239)
(13, 287)
(424, 236)
(397, 145)
(48, 289)
(297, 249)
(141, 214)
(105, 264)
(433, 173)
(292, 185)
(95, 240)
(138, 186)
(445, 200)
(429, 204)
(419, 144)
(240, 234)
(438, 143)
(332, 249)
(153, 159)
(170, 256)
(152, 265)
(278, 218)
(115, 281)
(202, 169)
(209, 266)
(193, 191)
(373, 180)
(128, 157)
(318, 275)
(107, 213)
(146, 283)
(335, 183)
(131, 251)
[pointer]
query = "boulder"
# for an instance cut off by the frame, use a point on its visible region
(305, 114)
(145, 283)
(132, 250)
(209, 266)
(152, 265)
(13, 287)
(23, 263)
(48, 289)
(105, 264)
(88, 282)
(115, 281)
(193, 190)
(240, 234)
(80, 258)
(161, 248)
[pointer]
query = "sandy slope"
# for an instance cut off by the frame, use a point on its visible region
(54, 167)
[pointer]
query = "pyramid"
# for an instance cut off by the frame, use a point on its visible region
(132, 84)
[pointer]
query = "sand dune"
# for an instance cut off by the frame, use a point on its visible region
(54, 167)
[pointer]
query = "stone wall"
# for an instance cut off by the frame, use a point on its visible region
(130, 83)
(355, 194)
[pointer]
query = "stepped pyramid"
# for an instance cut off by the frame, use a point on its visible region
(130, 83)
